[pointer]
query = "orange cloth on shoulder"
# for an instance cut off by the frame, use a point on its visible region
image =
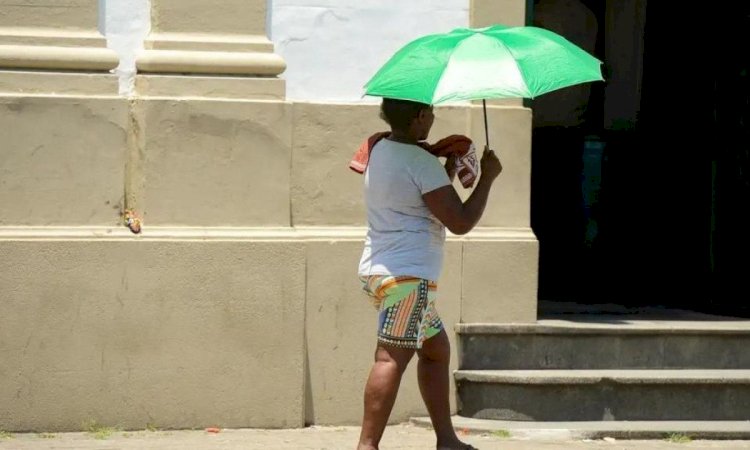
(467, 163)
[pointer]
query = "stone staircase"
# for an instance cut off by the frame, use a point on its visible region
(612, 370)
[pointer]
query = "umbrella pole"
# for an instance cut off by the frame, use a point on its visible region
(486, 131)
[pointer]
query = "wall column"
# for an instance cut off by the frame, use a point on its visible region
(93, 315)
(228, 38)
(499, 259)
(35, 34)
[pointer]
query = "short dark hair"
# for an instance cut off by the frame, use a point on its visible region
(399, 114)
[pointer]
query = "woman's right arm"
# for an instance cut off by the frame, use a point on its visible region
(457, 216)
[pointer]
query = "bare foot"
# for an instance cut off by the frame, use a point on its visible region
(366, 447)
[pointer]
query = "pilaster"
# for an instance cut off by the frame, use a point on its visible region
(35, 34)
(227, 38)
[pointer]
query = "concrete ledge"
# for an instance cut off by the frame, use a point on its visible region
(569, 377)
(597, 430)
(543, 327)
(254, 233)
(151, 233)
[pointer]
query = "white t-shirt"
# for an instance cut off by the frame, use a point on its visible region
(403, 237)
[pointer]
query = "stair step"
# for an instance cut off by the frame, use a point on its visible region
(568, 431)
(626, 344)
(596, 395)
(702, 376)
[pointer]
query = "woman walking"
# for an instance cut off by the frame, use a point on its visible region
(410, 201)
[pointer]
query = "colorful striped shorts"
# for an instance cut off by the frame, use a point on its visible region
(406, 306)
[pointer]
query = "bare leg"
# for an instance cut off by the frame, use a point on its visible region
(380, 392)
(433, 374)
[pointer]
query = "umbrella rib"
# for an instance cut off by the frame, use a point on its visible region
(442, 71)
(522, 88)
(531, 95)
(579, 57)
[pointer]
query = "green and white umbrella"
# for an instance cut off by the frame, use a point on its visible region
(483, 63)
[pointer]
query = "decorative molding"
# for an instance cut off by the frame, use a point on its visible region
(229, 38)
(59, 35)
(57, 58)
(208, 62)
(237, 233)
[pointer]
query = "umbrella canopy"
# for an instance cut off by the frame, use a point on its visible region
(482, 63)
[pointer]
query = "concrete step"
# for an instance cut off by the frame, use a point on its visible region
(604, 395)
(568, 431)
(614, 344)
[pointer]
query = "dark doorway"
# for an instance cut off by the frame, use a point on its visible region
(645, 201)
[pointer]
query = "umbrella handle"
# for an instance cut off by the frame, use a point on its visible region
(486, 131)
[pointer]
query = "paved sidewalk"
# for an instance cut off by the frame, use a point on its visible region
(317, 438)
(618, 429)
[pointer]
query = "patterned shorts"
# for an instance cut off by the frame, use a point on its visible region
(406, 305)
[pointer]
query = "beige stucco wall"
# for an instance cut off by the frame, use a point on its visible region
(226, 17)
(497, 269)
(55, 173)
(325, 136)
(499, 277)
(216, 163)
(241, 286)
(324, 191)
(61, 83)
(238, 305)
(484, 13)
(67, 15)
(133, 332)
